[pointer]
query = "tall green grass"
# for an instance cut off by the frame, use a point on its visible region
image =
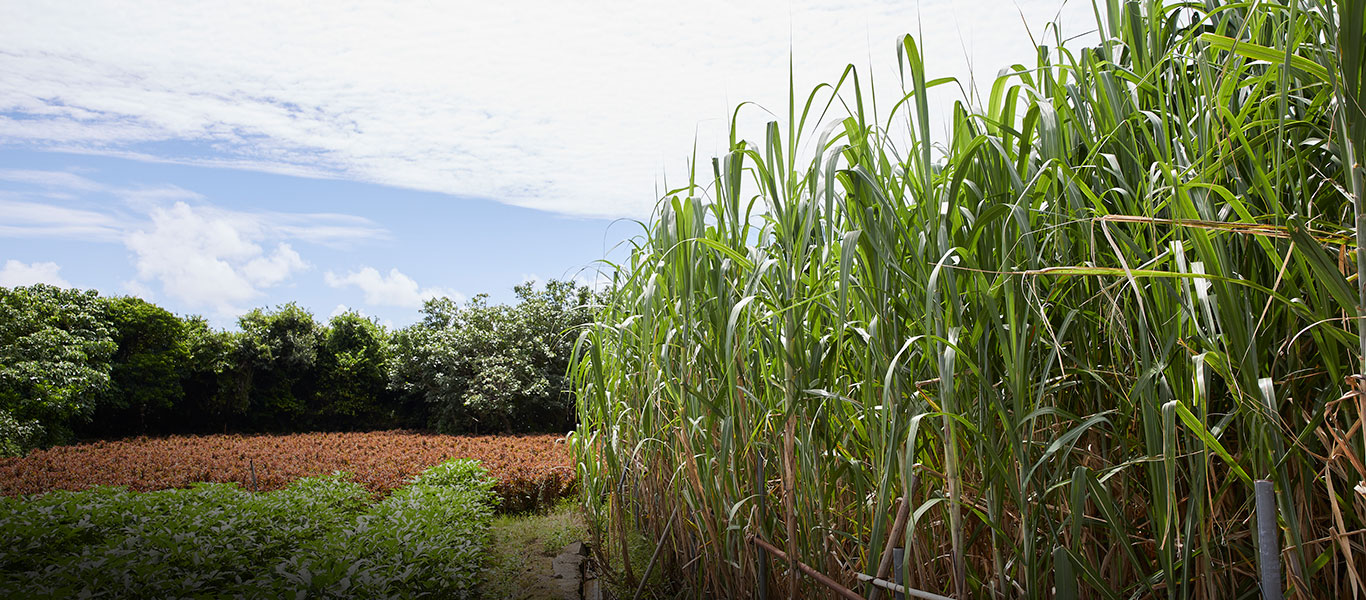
(1072, 334)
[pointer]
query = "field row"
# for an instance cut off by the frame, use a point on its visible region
(529, 469)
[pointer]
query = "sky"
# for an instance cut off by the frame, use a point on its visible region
(213, 158)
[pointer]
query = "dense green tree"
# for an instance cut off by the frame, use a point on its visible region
(55, 348)
(72, 362)
(487, 367)
(554, 316)
(496, 367)
(280, 349)
(215, 381)
(147, 368)
(353, 381)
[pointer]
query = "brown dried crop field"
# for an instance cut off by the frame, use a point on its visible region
(530, 469)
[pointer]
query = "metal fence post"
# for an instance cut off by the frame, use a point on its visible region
(1268, 545)
(898, 564)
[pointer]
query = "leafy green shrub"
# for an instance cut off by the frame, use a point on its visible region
(15, 436)
(319, 537)
(422, 540)
(462, 473)
(426, 539)
(208, 538)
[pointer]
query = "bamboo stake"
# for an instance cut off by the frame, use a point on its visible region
(761, 490)
(820, 577)
(640, 589)
(790, 497)
(880, 583)
(884, 567)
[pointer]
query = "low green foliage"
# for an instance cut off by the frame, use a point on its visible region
(560, 527)
(320, 537)
(458, 474)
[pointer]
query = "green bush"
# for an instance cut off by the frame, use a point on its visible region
(423, 540)
(462, 473)
(320, 537)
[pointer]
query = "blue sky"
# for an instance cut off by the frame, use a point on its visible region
(149, 229)
(215, 158)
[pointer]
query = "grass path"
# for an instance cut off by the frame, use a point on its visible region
(522, 548)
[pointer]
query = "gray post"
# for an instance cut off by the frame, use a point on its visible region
(1268, 545)
(898, 566)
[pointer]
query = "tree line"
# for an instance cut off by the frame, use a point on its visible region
(77, 365)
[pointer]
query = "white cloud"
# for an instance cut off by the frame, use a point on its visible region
(271, 270)
(395, 289)
(323, 228)
(149, 197)
(204, 256)
(182, 245)
(15, 274)
(137, 288)
(486, 99)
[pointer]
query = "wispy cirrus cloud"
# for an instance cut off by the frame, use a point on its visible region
(51, 179)
(30, 219)
(470, 99)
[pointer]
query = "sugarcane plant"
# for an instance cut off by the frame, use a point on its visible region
(1070, 333)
